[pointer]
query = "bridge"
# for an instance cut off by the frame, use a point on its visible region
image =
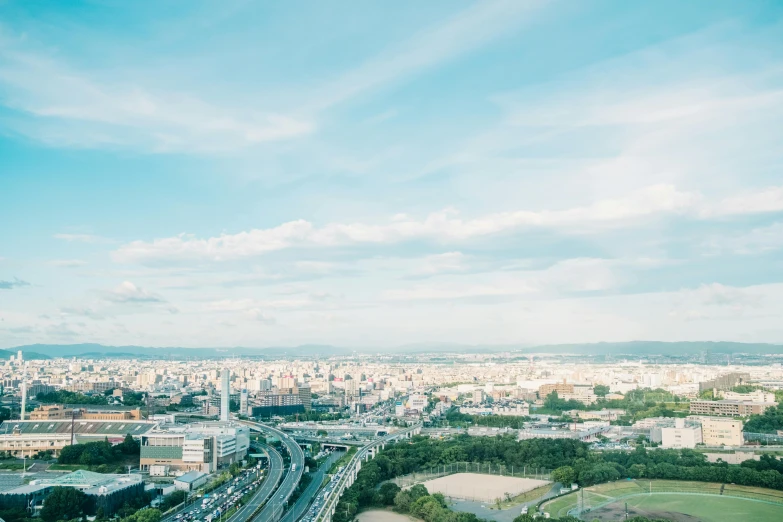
(329, 442)
(335, 430)
(277, 501)
(351, 470)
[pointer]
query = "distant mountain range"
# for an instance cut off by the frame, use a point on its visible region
(633, 348)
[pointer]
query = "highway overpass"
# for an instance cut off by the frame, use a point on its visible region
(274, 508)
(352, 469)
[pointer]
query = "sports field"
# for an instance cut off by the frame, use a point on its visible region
(482, 488)
(689, 508)
(675, 500)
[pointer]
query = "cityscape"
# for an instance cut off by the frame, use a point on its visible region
(367, 261)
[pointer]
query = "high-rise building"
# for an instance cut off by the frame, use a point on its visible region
(225, 394)
(305, 395)
(243, 401)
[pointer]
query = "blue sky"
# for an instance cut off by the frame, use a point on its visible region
(384, 173)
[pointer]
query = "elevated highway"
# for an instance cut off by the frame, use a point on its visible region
(348, 476)
(267, 488)
(277, 501)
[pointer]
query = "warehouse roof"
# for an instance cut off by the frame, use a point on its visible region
(81, 427)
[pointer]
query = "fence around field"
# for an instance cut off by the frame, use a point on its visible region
(444, 470)
(597, 497)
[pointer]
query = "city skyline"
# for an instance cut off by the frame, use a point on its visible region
(386, 175)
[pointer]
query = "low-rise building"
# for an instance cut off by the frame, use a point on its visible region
(203, 447)
(104, 491)
(604, 415)
(190, 481)
(681, 436)
(729, 408)
(754, 396)
(25, 438)
(60, 412)
(721, 431)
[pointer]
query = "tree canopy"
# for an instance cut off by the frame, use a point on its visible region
(63, 504)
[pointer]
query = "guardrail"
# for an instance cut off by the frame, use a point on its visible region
(325, 513)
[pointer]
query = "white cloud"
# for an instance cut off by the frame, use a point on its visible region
(84, 311)
(127, 292)
(444, 226)
(761, 239)
(769, 199)
(467, 30)
(77, 108)
(448, 262)
(715, 301)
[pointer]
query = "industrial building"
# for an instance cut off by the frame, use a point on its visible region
(59, 412)
(104, 491)
(681, 436)
(204, 447)
(25, 438)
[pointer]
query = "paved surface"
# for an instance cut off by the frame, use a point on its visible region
(300, 508)
(276, 505)
(482, 509)
(194, 503)
(267, 488)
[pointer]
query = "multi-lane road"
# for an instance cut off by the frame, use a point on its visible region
(275, 506)
(266, 489)
(299, 509)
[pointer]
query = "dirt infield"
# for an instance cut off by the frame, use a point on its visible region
(482, 488)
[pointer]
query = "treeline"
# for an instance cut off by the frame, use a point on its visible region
(461, 420)
(99, 452)
(638, 404)
(689, 465)
(768, 422)
(418, 502)
(67, 397)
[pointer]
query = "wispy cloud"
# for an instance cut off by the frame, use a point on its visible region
(15, 283)
(463, 32)
(127, 292)
(444, 226)
(761, 239)
(70, 107)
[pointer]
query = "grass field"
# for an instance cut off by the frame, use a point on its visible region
(685, 508)
(670, 500)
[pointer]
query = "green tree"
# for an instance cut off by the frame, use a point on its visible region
(403, 501)
(388, 491)
(129, 446)
(564, 474)
(63, 504)
(601, 390)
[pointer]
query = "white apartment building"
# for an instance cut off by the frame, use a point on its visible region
(681, 436)
(718, 431)
(754, 396)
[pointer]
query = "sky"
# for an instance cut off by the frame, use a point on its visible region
(373, 174)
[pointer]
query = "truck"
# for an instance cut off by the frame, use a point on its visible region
(230, 490)
(293, 466)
